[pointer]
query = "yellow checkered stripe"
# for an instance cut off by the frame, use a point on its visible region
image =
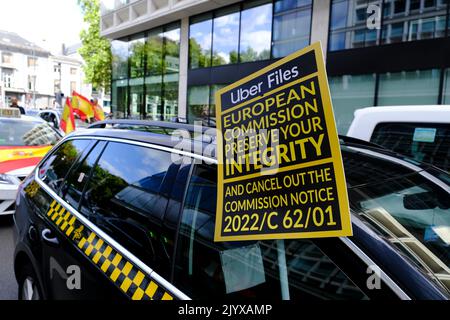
(126, 276)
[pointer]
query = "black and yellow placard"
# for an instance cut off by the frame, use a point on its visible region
(280, 172)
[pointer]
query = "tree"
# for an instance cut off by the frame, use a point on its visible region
(96, 50)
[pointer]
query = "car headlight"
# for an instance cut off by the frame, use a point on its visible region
(6, 179)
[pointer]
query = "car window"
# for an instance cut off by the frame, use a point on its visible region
(423, 142)
(76, 179)
(281, 269)
(54, 170)
(127, 196)
(413, 214)
(26, 133)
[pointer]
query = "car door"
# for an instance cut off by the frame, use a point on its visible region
(66, 272)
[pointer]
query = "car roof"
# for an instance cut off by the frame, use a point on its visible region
(140, 136)
(367, 119)
(208, 148)
(24, 118)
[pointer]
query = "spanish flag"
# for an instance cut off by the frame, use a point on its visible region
(82, 106)
(99, 115)
(67, 119)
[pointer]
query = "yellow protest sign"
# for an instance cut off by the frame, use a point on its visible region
(280, 172)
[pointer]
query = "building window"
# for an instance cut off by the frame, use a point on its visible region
(409, 88)
(243, 33)
(163, 64)
(291, 26)
(119, 98)
(6, 58)
(8, 78)
(57, 86)
(226, 36)
(32, 83)
(32, 61)
(202, 105)
(73, 86)
(73, 71)
(348, 93)
(446, 93)
(402, 21)
(200, 42)
(256, 33)
(119, 51)
(137, 49)
(149, 89)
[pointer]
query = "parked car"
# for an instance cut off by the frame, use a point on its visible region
(136, 217)
(420, 132)
(24, 141)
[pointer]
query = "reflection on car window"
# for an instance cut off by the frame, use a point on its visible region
(251, 269)
(78, 176)
(423, 142)
(53, 171)
(361, 168)
(127, 195)
(26, 133)
(414, 214)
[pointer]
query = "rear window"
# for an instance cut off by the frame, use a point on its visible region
(26, 133)
(423, 142)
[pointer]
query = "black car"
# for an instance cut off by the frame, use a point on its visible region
(122, 212)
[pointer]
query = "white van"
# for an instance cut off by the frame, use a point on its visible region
(419, 132)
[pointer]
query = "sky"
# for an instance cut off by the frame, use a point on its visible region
(47, 23)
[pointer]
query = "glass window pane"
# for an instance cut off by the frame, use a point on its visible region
(172, 51)
(154, 102)
(137, 53)
(424, 142)
(136, 97)
(348, 93)
(409, 88)
(200, 35)
(339, 13)
(119, 98)
(337, 41)
(226, 38)
(291, 31)
(170, 96)
(129, 201)
(283, 5)
(53, 171)
(155, 52)
(256, 33)
(212, 104)
(446, 94)
(413, 214)
(77, 178)
(198, 104)
(119, 51)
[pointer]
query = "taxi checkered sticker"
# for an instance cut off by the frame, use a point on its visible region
(130, 279)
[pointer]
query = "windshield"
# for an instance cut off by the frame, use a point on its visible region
(408, 208)
(26, 133)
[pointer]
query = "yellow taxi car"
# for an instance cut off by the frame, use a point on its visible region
(24, 140)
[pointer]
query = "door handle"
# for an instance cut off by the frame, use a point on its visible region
(46, 235)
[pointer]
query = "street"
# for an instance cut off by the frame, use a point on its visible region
(8, 285)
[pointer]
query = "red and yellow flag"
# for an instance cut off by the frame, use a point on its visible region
(82, 106)
(67, 119)
(99, 115)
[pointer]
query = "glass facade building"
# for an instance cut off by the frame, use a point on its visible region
(379, 53)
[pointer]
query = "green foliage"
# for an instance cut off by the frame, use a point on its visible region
(96, 50)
